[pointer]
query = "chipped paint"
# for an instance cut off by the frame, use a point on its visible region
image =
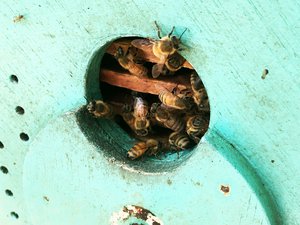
(137, 212)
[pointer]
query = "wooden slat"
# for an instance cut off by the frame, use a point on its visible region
(144, 84)
(145, 53)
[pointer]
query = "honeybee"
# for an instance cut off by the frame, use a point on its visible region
(137, 150)
(101, 109)
(140, 112)
(171, 100)
(140, 108)
(166, 50)
(179, 140)
(166, 45)
(128, 64)
(199, 92)
(153, 146)
(139, 127)
(169, 120)
(195, 127)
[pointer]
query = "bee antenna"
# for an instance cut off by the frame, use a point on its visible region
(169, 35)
(182, 34)
(158, 29)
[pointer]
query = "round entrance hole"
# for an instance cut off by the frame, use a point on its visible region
(128, 79)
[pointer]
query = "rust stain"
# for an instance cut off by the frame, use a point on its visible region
(18, 18)
(137, 212)
(225, 189)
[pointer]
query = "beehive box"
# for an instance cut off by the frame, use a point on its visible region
(60, 167)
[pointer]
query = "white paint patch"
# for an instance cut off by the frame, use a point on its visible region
(133, 211)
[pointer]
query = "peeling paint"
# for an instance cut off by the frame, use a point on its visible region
(137, 212)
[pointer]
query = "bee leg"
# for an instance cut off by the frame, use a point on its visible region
(181, 49)
(158, 29)
(158, 156)
(175, 89)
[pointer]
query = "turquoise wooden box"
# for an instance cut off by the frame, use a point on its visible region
(57, 166)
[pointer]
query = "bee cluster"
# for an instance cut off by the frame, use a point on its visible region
(154, 93)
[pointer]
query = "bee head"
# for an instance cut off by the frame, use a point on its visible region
(91, 107)
(176, 41)
(154, 107)
(130, 156)
(119, 53)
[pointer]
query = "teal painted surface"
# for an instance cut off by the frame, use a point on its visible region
(230, 43)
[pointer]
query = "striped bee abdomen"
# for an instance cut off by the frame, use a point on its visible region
(137, 150)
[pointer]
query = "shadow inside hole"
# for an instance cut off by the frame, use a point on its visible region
(24, 137)
(111, 140)
(108, 137)
(1, 145)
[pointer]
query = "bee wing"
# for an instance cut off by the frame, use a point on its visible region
(157, 69)
(135, 55)
(161, 88)
(143, 44)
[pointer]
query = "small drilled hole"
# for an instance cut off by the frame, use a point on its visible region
(14, 215)
(264, 73)
(1, 145)
(272, 161)
(9, 192)
(20, 110)
(4, 169)
(24, 137)
(14, 78)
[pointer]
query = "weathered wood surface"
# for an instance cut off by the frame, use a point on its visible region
(144, 84)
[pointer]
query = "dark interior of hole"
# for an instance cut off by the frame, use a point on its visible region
(8, 192)
(113, 93)
(14, 79)
(1, 145)
(24, 137)
(20, 110)
(14, 215)
(114, 142)
(115, 138)
(4, 169)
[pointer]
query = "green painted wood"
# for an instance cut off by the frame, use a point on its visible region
(53, 52)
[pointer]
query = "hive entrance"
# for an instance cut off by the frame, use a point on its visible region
(150, 100)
